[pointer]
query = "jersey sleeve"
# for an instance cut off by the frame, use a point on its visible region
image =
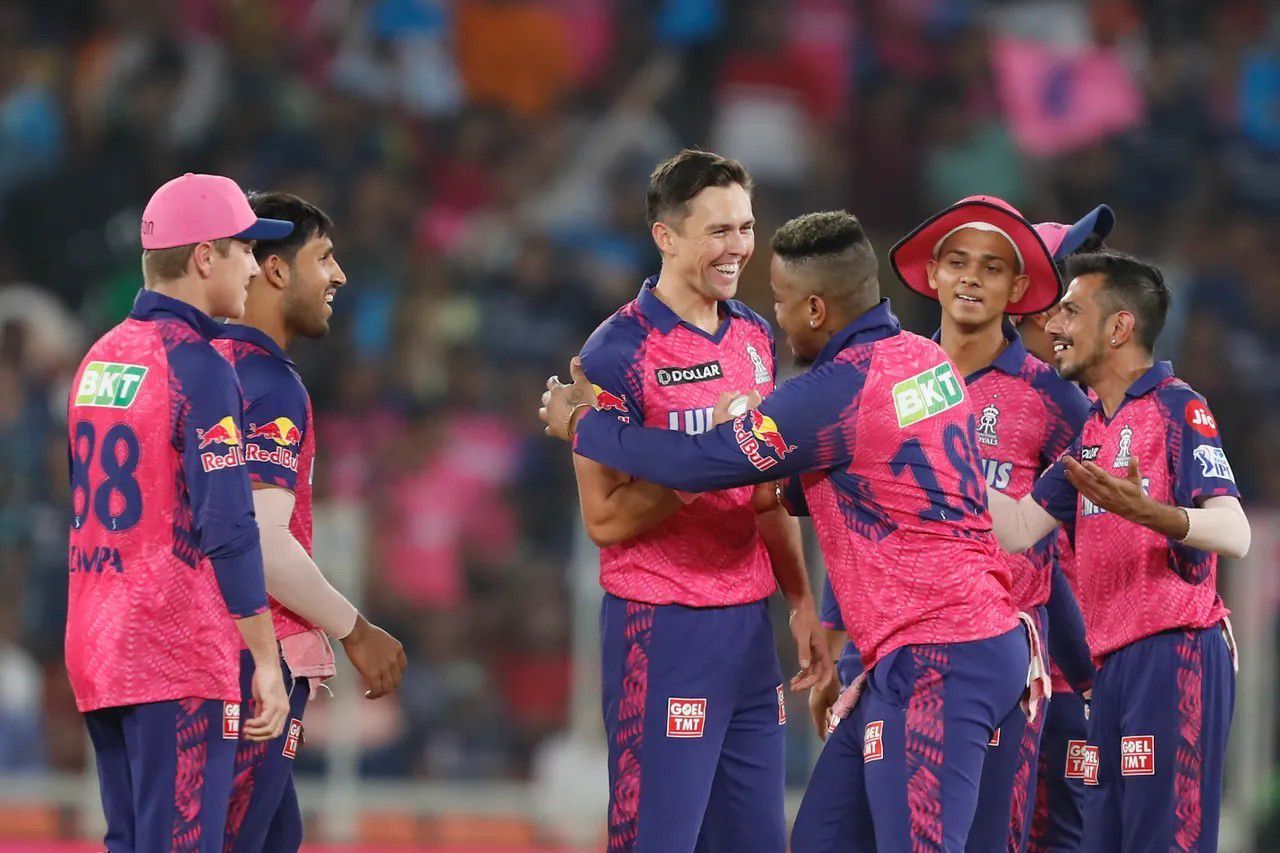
(1067, 644)
(611, 359)
(209, 414)
(1197, 460)
(1066, 409)
(829, 613)
(275, 425)
(807, 424)
(1054, 492)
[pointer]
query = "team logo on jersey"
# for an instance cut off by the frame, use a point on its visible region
(1122, 453)
(607, 401)
(693, 373)
(686, 717)
(293, 739)
(230, 720)
(1213, 462)
(1200, 419)
(1089, 764)
(926, 394)
(1138, 755)
(755, 432)
(873, 741)
(691, 421)
(782, 707)
(1076, 759)
(763, 373)
(987, 425)
(110, 384)
(1089, 452)
(995, 739)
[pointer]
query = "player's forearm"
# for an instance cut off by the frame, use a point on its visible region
(293, 578)
(1219, 526)
(1018, 524)
(781, 535)
(836, 641)
(259, 634)
(1067, 645)
(629, 510)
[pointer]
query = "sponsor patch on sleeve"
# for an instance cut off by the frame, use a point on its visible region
(1213, 462)
(1201, 419)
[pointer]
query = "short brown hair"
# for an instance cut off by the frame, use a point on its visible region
(677, 180)
(169, 264)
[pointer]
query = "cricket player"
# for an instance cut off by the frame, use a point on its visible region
(290, 297)
(1057, 822)
(967, 258)
(693, 692)
(882, 437)
(1154, 502)
(165, 567)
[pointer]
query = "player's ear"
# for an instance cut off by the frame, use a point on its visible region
(931, 267)
(1123, 325)
(202, 259)
(817, 311)
(1020, 285)
(275, 271)
(663, 238)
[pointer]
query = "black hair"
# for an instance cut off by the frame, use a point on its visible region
(832, 244)
(678, 179)
(1130, 285)
(308, 221)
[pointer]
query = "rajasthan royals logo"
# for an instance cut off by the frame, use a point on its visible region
(1122, 455)
(987, 425)
(763, 374)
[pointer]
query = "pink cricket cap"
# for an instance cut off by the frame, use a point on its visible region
(201, 208)
(1062, 240)
(911, 256)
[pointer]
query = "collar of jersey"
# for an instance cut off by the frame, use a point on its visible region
(150, 305)
(255, 336)
(664, 319)
(879, 322)
(1009, 361)
(1143, 385)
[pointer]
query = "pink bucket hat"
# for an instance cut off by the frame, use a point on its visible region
(201, 208)
(910, 257)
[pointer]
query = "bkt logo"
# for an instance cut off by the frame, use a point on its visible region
(998, 473)
(926, 394)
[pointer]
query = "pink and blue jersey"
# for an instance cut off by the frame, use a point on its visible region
(655, 370)
(163, 542)
(279, 441)
(1133, 582)
(883, 439)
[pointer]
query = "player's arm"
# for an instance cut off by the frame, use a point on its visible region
(1067, 645)
(224, 527)
(801, 427)
(1206, 513)
(616, 507)
(781, 535)
(1019, 524)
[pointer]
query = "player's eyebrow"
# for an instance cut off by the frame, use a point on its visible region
(726, 226)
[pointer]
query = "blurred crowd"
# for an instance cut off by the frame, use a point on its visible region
(486, 162)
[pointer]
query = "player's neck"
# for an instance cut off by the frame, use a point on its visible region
(184, 290)
(687, 303)
(270, 323)
(973, 349)
(1117, 375)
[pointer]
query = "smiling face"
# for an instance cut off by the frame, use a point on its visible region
(798, 310)
(1078, 330)
(709, 248)
(314, 279)
(976, 275)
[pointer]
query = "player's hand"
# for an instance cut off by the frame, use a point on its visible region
(726, 409)
(377, 656)
(560, 401)
(270, 703)
(816, 667)
(821, 698)
(1122, 496)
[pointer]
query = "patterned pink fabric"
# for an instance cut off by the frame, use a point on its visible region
(625, 813)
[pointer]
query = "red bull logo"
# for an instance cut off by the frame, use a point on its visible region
(754, 432)
(607, 401)
(282, 431)
(224, 431)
